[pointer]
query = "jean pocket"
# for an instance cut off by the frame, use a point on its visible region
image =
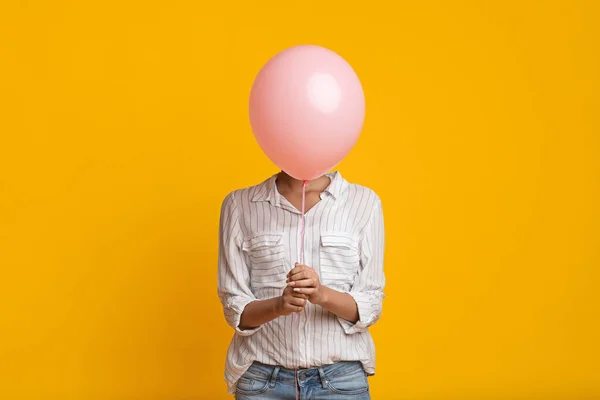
(255, 380)
(339, 259)
(252, 386)
(351, 382)
(266, 255)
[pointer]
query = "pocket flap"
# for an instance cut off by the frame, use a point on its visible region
(260, 240)
(339, 239)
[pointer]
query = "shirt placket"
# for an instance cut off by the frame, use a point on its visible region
(302, 320)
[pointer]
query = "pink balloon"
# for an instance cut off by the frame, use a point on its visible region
(307, 108)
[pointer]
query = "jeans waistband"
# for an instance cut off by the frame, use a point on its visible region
(324, 372)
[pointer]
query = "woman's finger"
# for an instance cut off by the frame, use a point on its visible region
(298, 269)
(298, 276)
(303, 283)
(302, 275)
(305, 291)
(297, 301)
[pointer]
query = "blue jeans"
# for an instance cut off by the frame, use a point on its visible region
(342, 380)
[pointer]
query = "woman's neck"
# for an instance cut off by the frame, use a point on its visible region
(286, 183)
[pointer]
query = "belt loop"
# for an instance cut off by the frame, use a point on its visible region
(273, 378)
(324, 380)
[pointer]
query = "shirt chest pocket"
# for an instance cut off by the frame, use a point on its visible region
(266, 255)
(339, 259)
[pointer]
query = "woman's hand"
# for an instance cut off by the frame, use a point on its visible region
(290, 302)
(305, 280)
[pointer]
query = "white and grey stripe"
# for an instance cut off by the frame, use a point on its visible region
(259, 242)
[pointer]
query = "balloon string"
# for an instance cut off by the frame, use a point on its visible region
(296, 319)
(304, 184)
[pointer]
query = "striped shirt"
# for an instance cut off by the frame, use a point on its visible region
(259, 242)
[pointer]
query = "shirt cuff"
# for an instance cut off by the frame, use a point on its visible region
(365, 313)
(237, 305)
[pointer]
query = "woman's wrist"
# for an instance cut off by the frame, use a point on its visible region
(277, 308)
(322, 296)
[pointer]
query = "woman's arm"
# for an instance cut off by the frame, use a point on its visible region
(260, 312)
(243, 311)
(234, 275)
(360, 307)
(341, 304)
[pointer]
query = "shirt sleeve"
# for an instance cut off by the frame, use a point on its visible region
(367, 289)
(234, 275)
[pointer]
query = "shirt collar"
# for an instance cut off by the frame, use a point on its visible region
(337, 186)
(267, 191)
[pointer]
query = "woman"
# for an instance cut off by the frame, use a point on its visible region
(336, 296)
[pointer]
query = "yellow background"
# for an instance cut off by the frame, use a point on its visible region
(124, 124)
